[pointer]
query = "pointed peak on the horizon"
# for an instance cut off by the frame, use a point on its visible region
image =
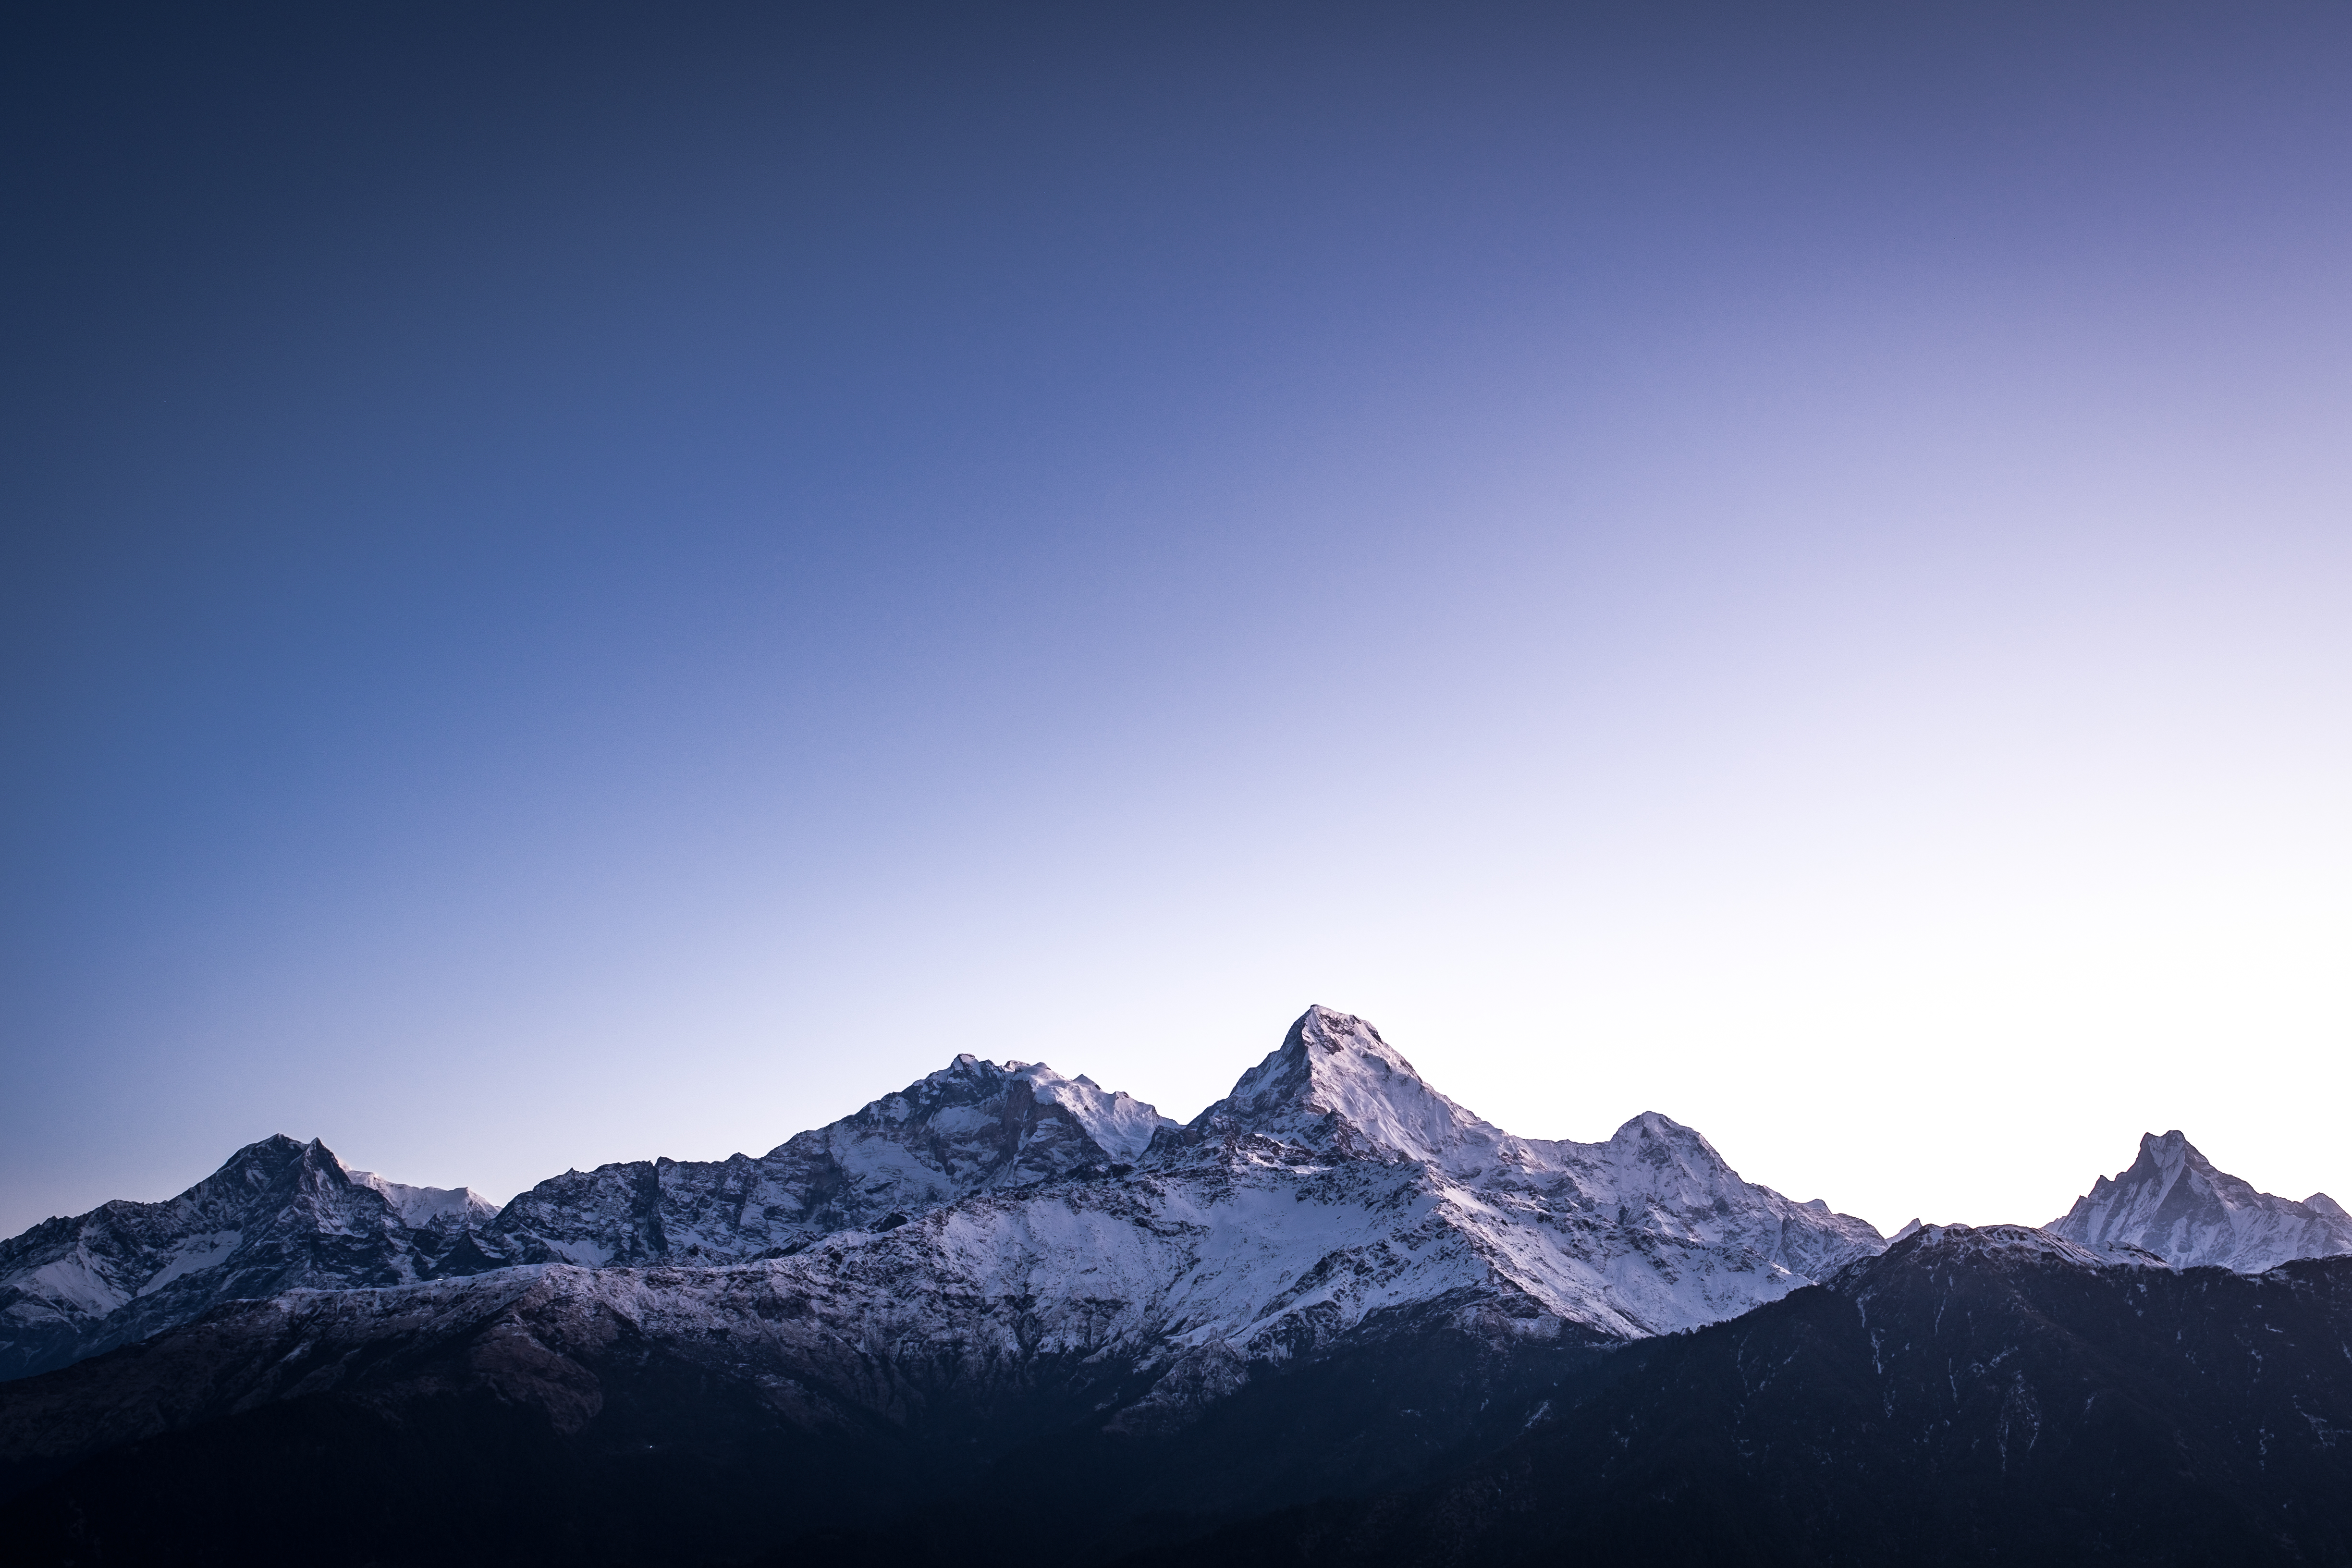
(1658, 1139)
(2176, 1203)
(1656, 1124)
(966, 1064)
(1334, 1079)
(1119, 1123)
(2169, 1153)
(1326, 1029)
(275, 1151)
(1328, 1041)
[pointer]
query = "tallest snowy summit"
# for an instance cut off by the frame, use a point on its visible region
(1334, 1083)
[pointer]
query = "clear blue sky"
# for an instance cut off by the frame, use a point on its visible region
(589, 582)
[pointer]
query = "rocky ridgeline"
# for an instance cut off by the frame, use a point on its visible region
(1332, 1158)
(1332, 1184)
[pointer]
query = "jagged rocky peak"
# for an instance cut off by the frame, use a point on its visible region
(978, 1123)
(1331, 1187)
(972, 1126)
(278, 1214)
(273, 1161)
(311, 1176)
(277, 1175)
(2172, 1202)
(1334, 1083)
(1337, 1088)
(1119, 1123)
(1676, 1154)
(1115, 1119)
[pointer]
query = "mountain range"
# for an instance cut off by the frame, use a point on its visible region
(1333, 1284)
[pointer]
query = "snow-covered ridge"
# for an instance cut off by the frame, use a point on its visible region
(1333, 1185)
(1646, 1232)
(2171, 1202)
(283, 1214)
(280, 1215)
(1333, 1199)
(422, 1206)
(972, 1126)
(1123, 1125)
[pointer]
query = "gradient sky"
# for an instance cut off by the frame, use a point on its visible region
(583, 583)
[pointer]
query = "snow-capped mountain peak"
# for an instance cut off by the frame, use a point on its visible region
(278, 1215)
(1665, 1164)
(972, 1126)
(1647, 1232)
(2172, 1202)
(1334, 1183)
(1333, 1084)
(1664, 1144)
(972, 1091)
(1115, 1119)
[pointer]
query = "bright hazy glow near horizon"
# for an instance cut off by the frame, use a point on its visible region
(589, 584)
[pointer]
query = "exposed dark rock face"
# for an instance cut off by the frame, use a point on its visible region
(279, 1215)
